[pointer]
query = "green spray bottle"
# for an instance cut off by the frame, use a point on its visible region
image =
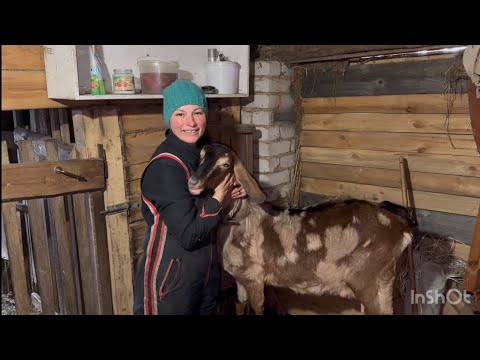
(97, 83)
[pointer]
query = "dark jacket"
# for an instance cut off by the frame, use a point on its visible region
(179, 248)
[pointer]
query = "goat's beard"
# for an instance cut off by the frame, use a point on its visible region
(196, 192)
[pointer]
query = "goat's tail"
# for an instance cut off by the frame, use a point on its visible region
(401, 211)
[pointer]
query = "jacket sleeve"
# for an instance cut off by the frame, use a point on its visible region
(165, 186)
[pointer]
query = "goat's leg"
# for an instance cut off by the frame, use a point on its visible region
(255, 294)
(377, 298)
(242, 300)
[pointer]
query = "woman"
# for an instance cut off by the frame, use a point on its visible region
(179, 272)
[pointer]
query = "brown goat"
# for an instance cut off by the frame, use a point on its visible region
(347, 248)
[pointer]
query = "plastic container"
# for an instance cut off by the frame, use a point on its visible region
(223, 75)
(123, 81)
(156, 74)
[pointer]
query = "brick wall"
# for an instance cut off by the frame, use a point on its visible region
(269, 108)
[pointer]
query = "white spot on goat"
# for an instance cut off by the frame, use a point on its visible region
(368, 242)
(340, 242)
(314, 242)
(384, 220)
(355, 220)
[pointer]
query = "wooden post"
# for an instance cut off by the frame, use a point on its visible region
(471, 281)
(23, 303)
(411, 267)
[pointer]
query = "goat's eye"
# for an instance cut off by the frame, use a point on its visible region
(226, 165)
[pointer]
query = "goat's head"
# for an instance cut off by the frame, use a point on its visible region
(216, 162)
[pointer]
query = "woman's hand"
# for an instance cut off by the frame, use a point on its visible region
(224, 188)
(238, 191)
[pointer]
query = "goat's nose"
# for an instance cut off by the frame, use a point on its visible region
(193, 181)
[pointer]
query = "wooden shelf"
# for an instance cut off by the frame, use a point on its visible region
(67, 67)
(148, 96)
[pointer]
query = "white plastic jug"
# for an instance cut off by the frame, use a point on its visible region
(223, 75)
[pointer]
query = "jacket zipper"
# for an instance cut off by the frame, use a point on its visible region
(161, 292)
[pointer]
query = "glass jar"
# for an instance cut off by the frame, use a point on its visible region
(123, 81)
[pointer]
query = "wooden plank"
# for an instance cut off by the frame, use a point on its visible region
(425, 200)
(16, 256)
(55, 123)
(41, 246)
(142, 118)
(38, 180)
(459, 227)
(64, 243)
(397, 123)
(472, 273)
(135, 171)
(98, 268)
(140, 146)
(64, 125)
(22, 57)
(439, 183)
(429, 163)
(397, 142)
(410, 77)
(117, 224)
(25, 90)
(388, 104)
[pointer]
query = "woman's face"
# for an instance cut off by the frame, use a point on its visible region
(188, 123)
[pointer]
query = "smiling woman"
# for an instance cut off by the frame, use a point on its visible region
(178, 272)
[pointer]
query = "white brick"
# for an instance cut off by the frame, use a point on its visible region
(273, 179)
(287, 130)
(264, 101)
(246, 117)
(267, 165)
(293, 146)
(270, 133)
(288, 116)
(287, 161)
(271, 68)
(285, 104)
(285, 70)
(262, 117)
(272, 149)
(271, 85)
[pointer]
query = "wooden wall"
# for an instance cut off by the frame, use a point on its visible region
(23, 78)
(351, 142)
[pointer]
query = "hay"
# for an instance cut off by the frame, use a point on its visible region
(454, 78)
(436, 249)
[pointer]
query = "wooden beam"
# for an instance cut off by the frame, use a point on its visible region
(65, 243)
(397, 78)
(25, 90)
(388, 104)
(92, 244)
(429, 163)
(117, 224)
(395, 142)
(23, 57)
(140, 146)
(397, 123)
(41, 247)
(425, 200)
(438, 183)
(315, 53)
(38, 180)
(23, 304)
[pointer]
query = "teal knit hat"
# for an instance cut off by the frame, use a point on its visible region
(182, 92)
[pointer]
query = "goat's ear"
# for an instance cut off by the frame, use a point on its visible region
(247, 181)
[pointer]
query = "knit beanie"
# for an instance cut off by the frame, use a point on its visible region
(182, 92)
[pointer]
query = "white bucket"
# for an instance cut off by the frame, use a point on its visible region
(223, 75)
